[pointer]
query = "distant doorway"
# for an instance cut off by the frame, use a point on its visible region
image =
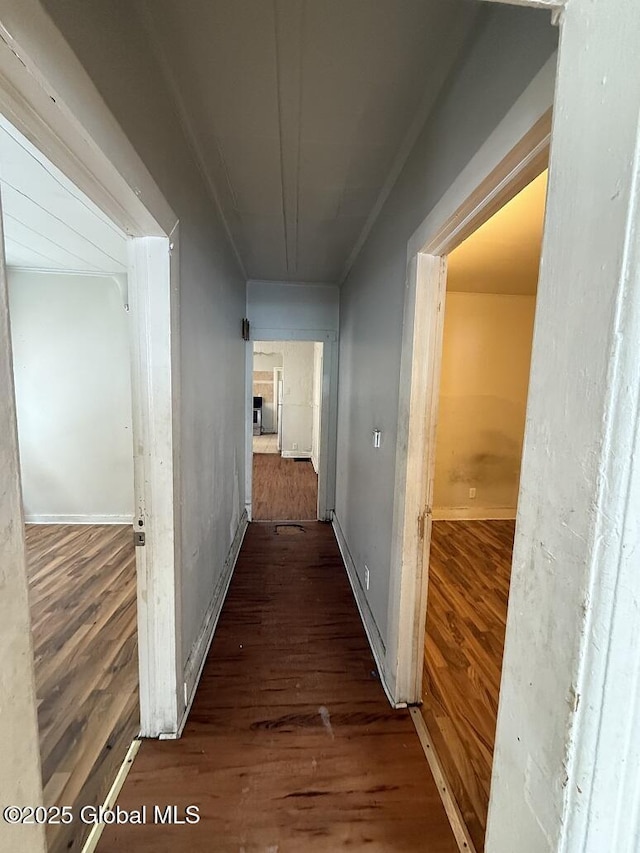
(286, 429)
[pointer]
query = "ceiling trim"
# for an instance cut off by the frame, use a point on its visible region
(411, 137)
(185, 122)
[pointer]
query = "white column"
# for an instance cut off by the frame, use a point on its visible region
(567, 762)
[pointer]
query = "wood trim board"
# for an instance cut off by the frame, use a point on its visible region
(458, 826)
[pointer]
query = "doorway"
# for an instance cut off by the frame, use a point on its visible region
(287, 383)
(488, 321)
(66, 270)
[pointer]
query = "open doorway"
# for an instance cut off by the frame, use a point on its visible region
(287, 380)
(66, 269)
(486, 352)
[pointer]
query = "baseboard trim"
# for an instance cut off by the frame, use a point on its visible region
(38, 518)
(110, 800)
(295, 454)
(196, 661)
(371, 629)
(458, 826)
(465, 513)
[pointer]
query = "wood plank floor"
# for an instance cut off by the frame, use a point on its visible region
(291, 744)
(283, 489)
(469, 573)
(82, 590)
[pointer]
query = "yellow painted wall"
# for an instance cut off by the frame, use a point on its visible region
(483, 394)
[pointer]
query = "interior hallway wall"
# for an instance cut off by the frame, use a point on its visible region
(510, 46)
(112, 45)
(72, 375)
(486, 356)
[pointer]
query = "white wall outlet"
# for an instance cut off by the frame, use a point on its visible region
(377, 438)
(294, 446)
(366, 577)
(472, 492)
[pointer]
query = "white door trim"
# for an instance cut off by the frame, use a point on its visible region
(157, 563)
(515, 152)
(328, 416)
(20, 772)
(47, 95)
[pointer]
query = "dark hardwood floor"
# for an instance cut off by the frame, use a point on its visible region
(469, 573)
(283, 489)
(291, 745)
(82, 590)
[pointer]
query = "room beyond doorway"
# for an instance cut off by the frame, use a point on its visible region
(286, 426)
(483, 386)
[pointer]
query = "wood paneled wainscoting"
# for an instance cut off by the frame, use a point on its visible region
(469, 573)
(82, 591)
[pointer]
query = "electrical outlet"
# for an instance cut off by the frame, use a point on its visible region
(294, 446)
(366, 577)
(472, 492)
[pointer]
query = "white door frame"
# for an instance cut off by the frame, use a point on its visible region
(47, 95)
(20, 771)
(516, 152)
(329, 411)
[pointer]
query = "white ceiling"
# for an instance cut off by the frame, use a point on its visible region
(49, 224)
(301, 110)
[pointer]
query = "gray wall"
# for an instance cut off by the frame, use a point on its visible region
(509, 48)
(278, 305)
(111, 44)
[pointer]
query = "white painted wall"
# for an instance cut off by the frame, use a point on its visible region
(116, 53)
(492, 74)
(317, 405)
(73, 395)
(486, 355)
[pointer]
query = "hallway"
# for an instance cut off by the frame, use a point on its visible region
(291, 744)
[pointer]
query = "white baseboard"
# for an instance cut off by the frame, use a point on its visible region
(38, 518)
(314, 462)
(196, 661)
(370, 627)
(475, 513)
(296, 454)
